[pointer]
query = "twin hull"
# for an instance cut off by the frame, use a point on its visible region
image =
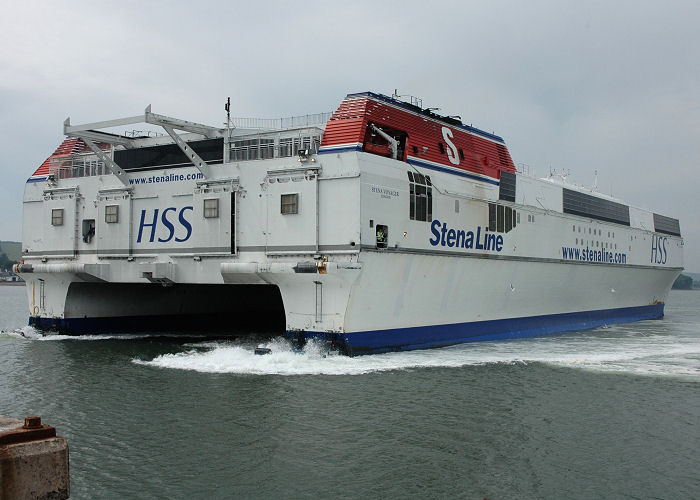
(320, 269)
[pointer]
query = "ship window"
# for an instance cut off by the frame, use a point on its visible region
(456, 206)
(290, 204)
(442, 148)
(499, 220)
(211, 208)
(421, 197)
(415, 150)
(112, 213)
(509, 219)
(57, 217)
(461, 154)
(286, 146)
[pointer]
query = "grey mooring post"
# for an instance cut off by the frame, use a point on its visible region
(33, 461)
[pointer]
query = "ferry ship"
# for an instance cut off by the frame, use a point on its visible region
(383, 226)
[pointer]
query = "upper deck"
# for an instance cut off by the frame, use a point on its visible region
(364, 122)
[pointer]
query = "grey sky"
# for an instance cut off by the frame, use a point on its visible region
(572, 85)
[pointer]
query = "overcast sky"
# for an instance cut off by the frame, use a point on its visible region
(577, 86)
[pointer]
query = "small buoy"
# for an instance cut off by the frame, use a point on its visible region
(262, 350)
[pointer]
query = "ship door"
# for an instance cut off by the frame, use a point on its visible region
(382, 234)
(233, 222)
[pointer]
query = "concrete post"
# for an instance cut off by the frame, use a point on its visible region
(33, 461)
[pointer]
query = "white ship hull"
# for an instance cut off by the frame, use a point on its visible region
(168, 256)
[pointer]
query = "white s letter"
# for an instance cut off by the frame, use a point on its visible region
(451, 149)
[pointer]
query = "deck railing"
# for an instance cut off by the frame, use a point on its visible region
(83, 165)
(315, 120)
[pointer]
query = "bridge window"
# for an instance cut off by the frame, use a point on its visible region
(421, 197)
(112, 214)
(211, 208)
(57, 217)
(290, 204)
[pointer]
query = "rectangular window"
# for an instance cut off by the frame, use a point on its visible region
(290, 204)
(211, 208)
(502, 219)
(509, 219)
(267, 148)
(499, 221)
(420, 197)
(112, 213)
(285, 147)
(57, 217)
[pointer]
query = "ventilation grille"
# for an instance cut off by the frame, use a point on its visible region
(586, 205)
(666, 225)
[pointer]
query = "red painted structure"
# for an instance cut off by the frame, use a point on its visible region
(69, 147)
(421, 136)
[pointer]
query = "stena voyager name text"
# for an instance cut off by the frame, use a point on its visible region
(460, 238)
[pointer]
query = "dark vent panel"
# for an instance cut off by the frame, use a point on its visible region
(169, 155)
(506, 190)
(587, 205)
(666, 225)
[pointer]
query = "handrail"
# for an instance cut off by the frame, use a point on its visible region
(318, 119)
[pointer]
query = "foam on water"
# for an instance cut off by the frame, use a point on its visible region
(639, 354)
(31, 333)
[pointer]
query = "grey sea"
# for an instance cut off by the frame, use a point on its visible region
(607, 413)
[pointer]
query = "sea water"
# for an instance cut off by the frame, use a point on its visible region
(607, 413)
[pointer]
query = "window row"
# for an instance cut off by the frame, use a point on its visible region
(264, 148)
(502, 219)
(601, 244)
(211, 210)
(594, 232)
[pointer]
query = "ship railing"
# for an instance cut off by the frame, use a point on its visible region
(265, 147)
(81, 165)
(314, 120)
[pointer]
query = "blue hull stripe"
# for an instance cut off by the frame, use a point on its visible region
(447, 170)
(377, 341)
(399, 339)
(331, 149)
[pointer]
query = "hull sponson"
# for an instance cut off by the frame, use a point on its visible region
(400, 339)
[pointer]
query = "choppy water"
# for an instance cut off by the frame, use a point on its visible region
(610, 413)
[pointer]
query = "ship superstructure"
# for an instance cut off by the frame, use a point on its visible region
(383, 226)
